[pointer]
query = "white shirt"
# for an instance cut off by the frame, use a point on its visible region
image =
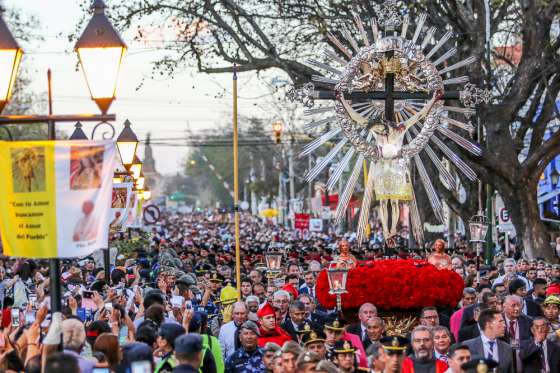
(486, 346)
(227, 338)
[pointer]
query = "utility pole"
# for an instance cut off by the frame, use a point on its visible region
(291, 177)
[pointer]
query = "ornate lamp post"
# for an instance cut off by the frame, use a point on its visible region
(478, 227)
(127, 143)
(337, 274)
(100, 50)
(10, 57)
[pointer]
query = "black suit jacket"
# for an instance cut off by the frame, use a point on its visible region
(288, 326)
(505, 353)
(356, 329)
(468, 332)
(532, 360)
(524, 324)
(533, 308)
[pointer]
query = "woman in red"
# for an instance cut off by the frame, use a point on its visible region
(269, 330)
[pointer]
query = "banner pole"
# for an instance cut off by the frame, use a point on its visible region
(54, 263)
(236, 187)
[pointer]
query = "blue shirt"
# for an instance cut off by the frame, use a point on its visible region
(242, 361)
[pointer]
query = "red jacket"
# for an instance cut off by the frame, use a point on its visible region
(408, 366)
(278, 336)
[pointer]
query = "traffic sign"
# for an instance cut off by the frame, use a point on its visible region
(151, 214)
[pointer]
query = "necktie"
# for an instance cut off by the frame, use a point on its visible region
(491, 350)
(543, 357)
(512, 330)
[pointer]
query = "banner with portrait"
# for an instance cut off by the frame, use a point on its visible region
(120, 200)
(56, 197)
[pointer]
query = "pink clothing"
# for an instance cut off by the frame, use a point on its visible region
(455, 322)
(357, 343)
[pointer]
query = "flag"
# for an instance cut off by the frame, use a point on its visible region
(56, 197)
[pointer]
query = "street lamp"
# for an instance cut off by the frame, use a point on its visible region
(337, 274)
(478, 227)
(273, 261)
(147, 194)
(10, 57)
(100, 50)
(140, 182)
(277, 128)
(127, 143)
(135, 168)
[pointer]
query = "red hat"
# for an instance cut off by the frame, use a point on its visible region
(553, 289)
(291, 289)
(266, 310)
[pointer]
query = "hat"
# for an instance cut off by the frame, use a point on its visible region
(266, 310)
(335, 324)
(291, 289)
(305, 329)
(516, 285)
(394, 343)
(551, 299)
(312, 337)
(553, 289)
(343, 347)
(188, 344)
(480, 365)
(271, 347)
(216, 278)
(170, 331)
(136, 351)
(250, 325)
(186, 279)
(228, 295)
(307, 357)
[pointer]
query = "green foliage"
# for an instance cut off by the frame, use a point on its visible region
(128, 247)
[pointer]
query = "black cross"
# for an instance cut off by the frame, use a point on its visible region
(389, 95)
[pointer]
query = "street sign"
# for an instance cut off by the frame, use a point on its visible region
(504, 219)
(151, 214)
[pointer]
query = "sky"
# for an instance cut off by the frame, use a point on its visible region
(164, 107)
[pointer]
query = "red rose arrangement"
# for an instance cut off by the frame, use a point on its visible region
(395, 284)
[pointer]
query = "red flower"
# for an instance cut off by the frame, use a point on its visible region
(395, 284)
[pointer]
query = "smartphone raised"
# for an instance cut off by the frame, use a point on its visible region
(15, 317)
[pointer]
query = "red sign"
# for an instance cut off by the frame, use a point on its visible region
(301, 221)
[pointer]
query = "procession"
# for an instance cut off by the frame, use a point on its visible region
(296, 187)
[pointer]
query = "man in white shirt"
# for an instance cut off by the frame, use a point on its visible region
(510, 272)
(228, 332)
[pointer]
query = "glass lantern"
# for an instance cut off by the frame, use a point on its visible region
(478, 227)
(337, 275)
(273, 261)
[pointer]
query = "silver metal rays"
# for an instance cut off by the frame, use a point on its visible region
(359, 64)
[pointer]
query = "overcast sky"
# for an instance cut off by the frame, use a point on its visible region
(163, 107)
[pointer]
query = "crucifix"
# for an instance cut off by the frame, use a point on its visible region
(389, 99)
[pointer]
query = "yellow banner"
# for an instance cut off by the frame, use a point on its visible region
(28, 185)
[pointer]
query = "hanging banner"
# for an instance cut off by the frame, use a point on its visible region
(56, 197)
(120, 199)
(132, 211)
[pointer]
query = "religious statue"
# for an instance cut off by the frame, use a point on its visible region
(392, 183)
(345, 258)
(391, 89)
(438, 257)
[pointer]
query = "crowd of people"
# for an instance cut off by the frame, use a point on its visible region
(173, 306)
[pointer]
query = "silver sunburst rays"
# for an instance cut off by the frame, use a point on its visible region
(389, 91)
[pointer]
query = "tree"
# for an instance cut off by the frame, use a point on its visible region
(262, 34)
